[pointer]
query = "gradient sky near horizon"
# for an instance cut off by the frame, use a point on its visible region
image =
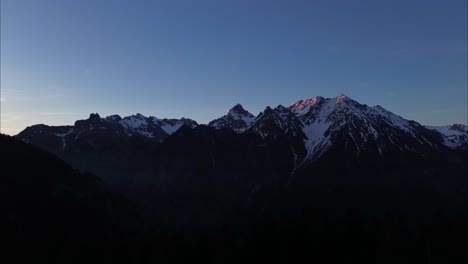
(62, 60)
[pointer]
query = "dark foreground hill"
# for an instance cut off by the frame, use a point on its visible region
(51, 212)
(55, 213)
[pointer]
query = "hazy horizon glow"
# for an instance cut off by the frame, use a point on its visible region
(62, 60)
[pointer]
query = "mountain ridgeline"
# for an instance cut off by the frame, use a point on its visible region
(130, 153)
(324, 173)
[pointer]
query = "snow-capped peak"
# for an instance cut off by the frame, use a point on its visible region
(325, 118)
(238, 109)
(237, 119)
(340, 98)
(301, 104)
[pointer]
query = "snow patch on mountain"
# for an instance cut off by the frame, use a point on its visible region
(134, 122)
(392, 118)
(64, 134)
(316, 141)
(172, 125)
(454, 135)
(315, 115)
(169, 129)
(248, 119)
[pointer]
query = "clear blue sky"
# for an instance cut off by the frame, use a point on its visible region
(61, 60)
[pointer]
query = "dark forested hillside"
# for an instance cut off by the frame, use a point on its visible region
(49, 211)
(217, 195)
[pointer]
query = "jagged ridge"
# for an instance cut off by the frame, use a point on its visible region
(316, 123)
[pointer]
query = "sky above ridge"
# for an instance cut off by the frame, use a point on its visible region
(63, 59)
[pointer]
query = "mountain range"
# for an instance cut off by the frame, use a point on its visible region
(314, 124)
(311, 169)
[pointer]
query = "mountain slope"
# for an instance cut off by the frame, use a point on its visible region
(51, 211)
(282, 130)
